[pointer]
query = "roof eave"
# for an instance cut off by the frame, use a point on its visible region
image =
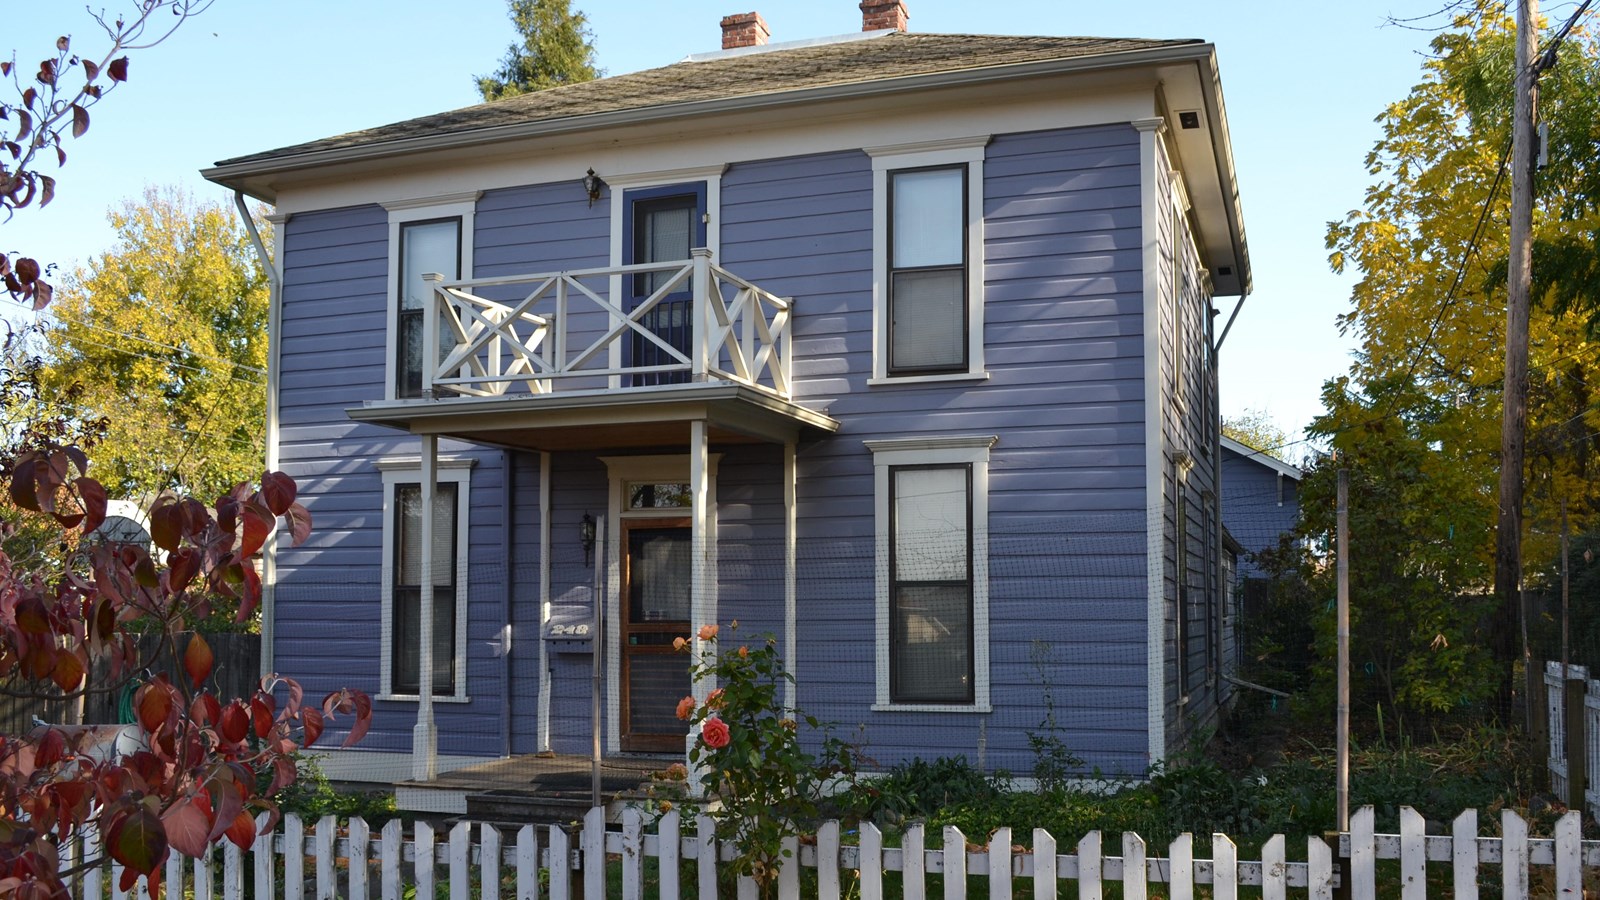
(237, 175)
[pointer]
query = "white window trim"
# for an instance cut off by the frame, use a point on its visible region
(396, 471)
(970, 450)
(886, 159)
(460, 206)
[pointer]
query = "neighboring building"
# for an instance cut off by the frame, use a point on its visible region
(1260, 501)
(937, 389)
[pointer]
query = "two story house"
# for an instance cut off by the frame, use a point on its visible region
(895, 347)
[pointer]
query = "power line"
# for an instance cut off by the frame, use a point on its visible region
(168, 362)
(145, 340)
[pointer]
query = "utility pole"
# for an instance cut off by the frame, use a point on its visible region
(1508, 536)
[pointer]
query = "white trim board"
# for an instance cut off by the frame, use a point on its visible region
(1264, 458)
(396, 471)
(1154, 445)
(972, 450)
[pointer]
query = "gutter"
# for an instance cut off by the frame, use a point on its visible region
(269, 557)
(232, 174)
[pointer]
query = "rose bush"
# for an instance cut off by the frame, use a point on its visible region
(750, 756)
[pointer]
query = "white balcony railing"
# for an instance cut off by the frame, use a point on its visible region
(574, 330)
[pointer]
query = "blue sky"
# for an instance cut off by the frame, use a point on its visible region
(1302, 83)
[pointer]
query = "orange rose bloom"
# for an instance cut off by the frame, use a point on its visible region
(685, 708)
(744, 652)
(679, 643)
(715, 733)
(707, 632)
(714, 699)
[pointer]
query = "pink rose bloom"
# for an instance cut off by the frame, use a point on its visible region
(715, 733)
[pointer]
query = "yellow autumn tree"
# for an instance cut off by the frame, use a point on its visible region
(165, 335)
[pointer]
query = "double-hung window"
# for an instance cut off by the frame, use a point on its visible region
(403, 556)
(932, 572)
(928, 261)
(431, 235)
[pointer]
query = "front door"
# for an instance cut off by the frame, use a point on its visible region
(664, 225)
(655, 590)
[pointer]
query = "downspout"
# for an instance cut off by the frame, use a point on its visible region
(269, 555)
(507, 498)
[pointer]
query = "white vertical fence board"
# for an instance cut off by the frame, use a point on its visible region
(1274, 869)
(422, 841)
(294, 857)
(205, 886)
(706, 857)
(1413, 855)
(1464, 855)
(389, 858)
(632, 854)
(670, 833)
(117, 893)
(1319, 869)
(828, 861)
(914, 862)
(1513, 854)
(266, 870)
(1363, 856)
(327, 834)
(560, 863)
(789, 868)
(1182, 855)
(460, 885)
(1224, 868)
(174, 874)
(1569, 859)
(747, 888)
(527, 863)
(1135, 880)
(1044, 865)
(91, 851)
(871, 877)
(1000, 864)
(594, 852)
(955, 863)
(360, 844)
(489, 857)
(232, 871)
(1089, 867)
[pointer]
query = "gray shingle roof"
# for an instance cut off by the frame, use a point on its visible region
(771, 72)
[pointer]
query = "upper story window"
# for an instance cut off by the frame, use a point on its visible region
(425, 247)
(928, 261)
(927, 271)
(431, 234)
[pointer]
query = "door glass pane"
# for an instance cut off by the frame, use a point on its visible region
(655, 682)
(658, 495)
(658, 577)
(427, 247)
(928, 227)
(665, 231)
(928, 320)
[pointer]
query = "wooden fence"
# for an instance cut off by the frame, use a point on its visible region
(480, 861)
(1575, 698)
(238, 669)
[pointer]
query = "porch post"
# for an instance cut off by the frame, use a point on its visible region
(542, 728)
(698, 317)
(424, 740)
(430, 332)
(790, 599)
(702, 606)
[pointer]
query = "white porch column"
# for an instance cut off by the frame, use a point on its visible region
(702, 599)
(542, 728)
(424, 739)
(791, 615)
(699, 319)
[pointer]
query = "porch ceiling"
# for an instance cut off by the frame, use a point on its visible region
(601, 419)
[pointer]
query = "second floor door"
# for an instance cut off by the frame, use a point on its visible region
(663, 225)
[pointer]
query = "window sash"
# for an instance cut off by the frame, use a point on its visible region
(432, 245)
(406, 590)
(931, 615)
(927, 270)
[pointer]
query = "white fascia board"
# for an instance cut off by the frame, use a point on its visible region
(237, 174)
(1263, 458)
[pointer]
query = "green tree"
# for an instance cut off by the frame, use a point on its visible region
(1256, 429)
(166, 335)
(556, 49)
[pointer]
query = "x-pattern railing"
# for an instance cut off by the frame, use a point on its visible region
(546, 333)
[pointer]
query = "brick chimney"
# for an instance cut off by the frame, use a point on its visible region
(877, 14)
(744, 30)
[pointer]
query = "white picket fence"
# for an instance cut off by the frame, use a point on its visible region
(1556, 717)
(475, 857)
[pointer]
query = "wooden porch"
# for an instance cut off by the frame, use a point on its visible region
(531, 787)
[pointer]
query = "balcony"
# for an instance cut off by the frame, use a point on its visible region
(616, 356)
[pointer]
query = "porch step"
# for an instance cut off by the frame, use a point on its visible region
(524, 808)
